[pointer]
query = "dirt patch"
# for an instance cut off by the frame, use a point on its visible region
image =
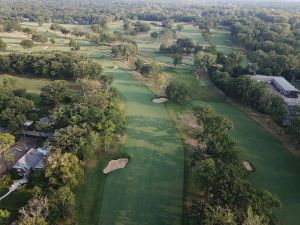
(115, 165)
(190, 120)
(247, 166)
(46, 47)
(159, 100)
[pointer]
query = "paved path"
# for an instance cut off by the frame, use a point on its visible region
(14, 186)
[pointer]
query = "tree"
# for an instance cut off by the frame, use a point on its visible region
(141, 27)
(63, 169)
(39, 38)
(176, 91)
(5, 182)
(203, 60)
(150, 70)
(78, 32)
(161, 80)
(278, 108)
(177, 59)
(213, 124)
(96, 28)
(207, 171)
(64, 31)
(62, 204)
(35, 212)
(139, 63)
(107, 38)
(40, 20)
(252, 68)
(253, 219)
(6, 141)
(127, 50)
(168, 24)
(55, 93)
(3, 45)
(69, 138)
(4, 216)
(294, 128)
(27, 31)
(154, 34)
(27, 44)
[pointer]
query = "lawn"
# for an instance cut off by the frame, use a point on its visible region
(221, 39)
(276, 169)
(15, 201)
(31, 84)
(150, 189)
(143, 193)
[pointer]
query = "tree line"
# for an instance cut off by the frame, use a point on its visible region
(228, 196)
(83, 126)
(53, 65)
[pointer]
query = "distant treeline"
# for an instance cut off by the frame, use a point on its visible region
(56, 65)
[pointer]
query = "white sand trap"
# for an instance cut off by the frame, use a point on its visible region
(115, 67)
(115, 165)
(159, 100)
(247, 166)
(46, 47)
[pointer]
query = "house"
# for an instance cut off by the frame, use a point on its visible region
(32, 160)
(285, 88)
(280, 86)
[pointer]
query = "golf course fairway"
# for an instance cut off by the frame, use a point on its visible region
(149, 191)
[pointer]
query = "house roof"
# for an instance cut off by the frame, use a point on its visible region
(284, 84)
(32, 159)
(28, 123)
(280, 81)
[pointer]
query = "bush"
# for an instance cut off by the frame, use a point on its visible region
(176, 91)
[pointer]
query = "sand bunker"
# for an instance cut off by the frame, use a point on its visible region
(115, 67)
(159, 100)
(247, 166)
(115, 165)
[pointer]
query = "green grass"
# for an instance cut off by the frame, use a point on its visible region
(190, 31)
(150, 189)
(15, 201)
(117, 26)
(31, 84)
(221, 39)
(276, 169)
(89, 194)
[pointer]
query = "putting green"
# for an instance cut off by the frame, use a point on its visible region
(149, 191)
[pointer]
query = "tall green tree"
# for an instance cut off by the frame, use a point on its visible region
(203, 60)
(56, 93)
(63, 169)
